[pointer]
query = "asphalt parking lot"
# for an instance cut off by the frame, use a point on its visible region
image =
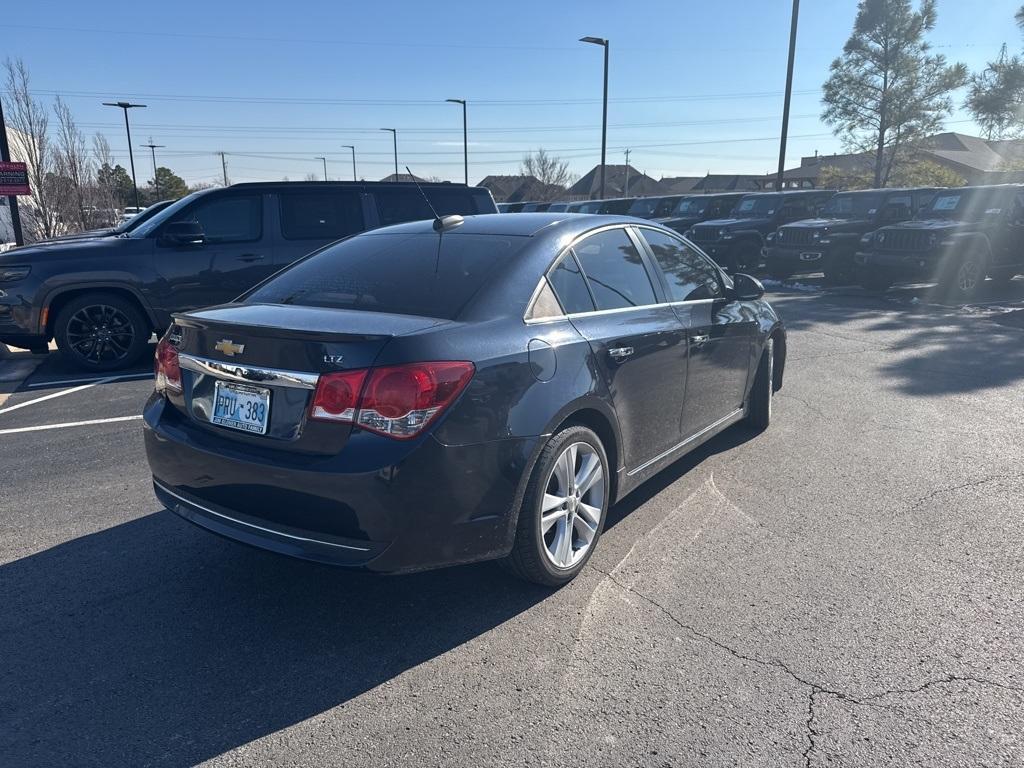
(843, 589)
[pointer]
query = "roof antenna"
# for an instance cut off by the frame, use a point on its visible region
(441, 223)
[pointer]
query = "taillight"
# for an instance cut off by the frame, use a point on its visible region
(337, 396)
(398, 401)
(166, 368)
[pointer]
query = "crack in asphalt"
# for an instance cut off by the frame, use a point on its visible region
(806, 404)
(816, 689)
(954, 488)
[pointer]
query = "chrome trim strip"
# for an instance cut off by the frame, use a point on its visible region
(247, 373)
(191, 503)
(690, 439)
(595, 312)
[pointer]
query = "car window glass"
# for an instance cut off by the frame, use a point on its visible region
(234, 219)
(614, 270)
(1017, 214)
(570, 287)
(689, 275)
(402, 204)
(320, 215)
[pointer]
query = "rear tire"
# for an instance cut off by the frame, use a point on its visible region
(101, 332)
(759, 408)
(536, 554)
(963, 277)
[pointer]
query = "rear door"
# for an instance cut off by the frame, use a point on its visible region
(638, 343)
(720, 333)
(311, 218)
(235, 256)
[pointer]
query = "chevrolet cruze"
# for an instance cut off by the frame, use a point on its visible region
(456, 390)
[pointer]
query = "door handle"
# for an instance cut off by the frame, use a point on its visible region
(620, 353)
(251, 257)
(700, 338)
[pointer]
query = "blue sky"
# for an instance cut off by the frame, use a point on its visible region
(694, 86)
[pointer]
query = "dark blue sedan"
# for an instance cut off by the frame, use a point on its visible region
(458, 390)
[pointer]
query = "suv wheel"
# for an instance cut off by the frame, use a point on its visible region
(563, 510)
(101, 332)
(965, 276)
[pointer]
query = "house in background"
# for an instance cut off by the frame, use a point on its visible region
(617, 177)
(518, 188)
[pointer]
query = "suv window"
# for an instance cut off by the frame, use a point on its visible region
(570, 287)
(614, 270)
(409, 274)
(320, 215)
(398, 205)
(689, 275)
(228, 219)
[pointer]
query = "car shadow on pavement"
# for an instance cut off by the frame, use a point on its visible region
(151, 643)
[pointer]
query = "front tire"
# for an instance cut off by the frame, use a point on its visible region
(963, 277)
(101, 332)
(564, 509)
(759, 409)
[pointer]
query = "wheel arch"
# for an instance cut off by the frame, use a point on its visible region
(59, 298)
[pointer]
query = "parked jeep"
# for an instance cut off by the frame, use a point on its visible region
(828, 244)
(102, 298)
(963, 235)
(736, 242)
(693, 209)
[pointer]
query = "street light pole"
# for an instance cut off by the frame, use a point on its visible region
(465, 137)
(349, 146)
(394, 135)
(321, 157)
(789, 93)
(125, 105)
(604, 113)
(152, 150)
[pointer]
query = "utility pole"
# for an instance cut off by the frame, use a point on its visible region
(625, 189)
(126, 105)
(224, 166)
(321, 157)
(604, 111)
(789, 93)
(5, 156)
(394, 135)
(152, 150)
(465, 137)
(349, 146)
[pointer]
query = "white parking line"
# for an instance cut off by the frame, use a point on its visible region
(95, 380)
(68, 424)
(55, 394)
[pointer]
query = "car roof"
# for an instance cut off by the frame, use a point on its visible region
(520, 225)
(328, 184)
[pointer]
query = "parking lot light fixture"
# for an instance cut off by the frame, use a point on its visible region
(465, 137)
(349, 146)
(604, 111)
(126, 105)
(321, 157)
(394, 136)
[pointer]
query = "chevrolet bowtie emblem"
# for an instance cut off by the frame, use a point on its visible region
(229, 348)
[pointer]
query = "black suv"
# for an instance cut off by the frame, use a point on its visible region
(693, 209)
(736, 242)
(963, 235)
(102, 298)
(828, 244)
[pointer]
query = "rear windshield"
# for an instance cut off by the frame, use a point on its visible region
(409, 274)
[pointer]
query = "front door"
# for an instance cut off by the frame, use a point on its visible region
(638, 343)
(234, 257)
(720, 332)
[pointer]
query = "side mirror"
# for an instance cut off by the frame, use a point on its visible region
(746, 288)
(183, 233)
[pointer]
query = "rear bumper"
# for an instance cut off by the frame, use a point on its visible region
(437, 505)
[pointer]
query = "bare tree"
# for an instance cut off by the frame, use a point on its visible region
(551, 171)
(105, 194)
(75, 168)
(31, 145)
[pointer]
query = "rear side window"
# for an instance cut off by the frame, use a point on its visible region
(228, 219)
(689, 275)
(614, 270)
(398, 205)
(410, 274)
(570, 286)
(320, 215)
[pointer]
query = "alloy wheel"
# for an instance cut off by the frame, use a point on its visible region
(574, 499)
(967, 276)
(100, 333)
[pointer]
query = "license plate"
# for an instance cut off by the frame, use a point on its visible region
(241, 406)
(810, 256)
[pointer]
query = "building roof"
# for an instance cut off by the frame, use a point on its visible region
(678, 185)
(403, 177)
(735, 182)
(516, 189)
(640, 184)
